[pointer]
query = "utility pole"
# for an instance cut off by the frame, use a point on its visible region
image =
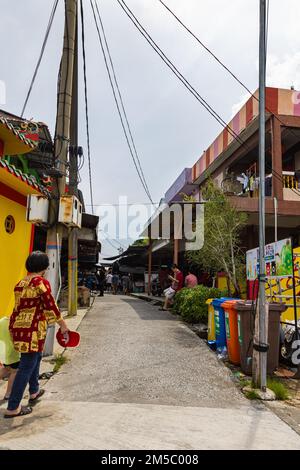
(260, 338)
(73, 188)
(62, 141)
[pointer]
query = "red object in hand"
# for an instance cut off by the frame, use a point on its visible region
(69, 339)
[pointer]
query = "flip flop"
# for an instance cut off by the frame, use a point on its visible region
(25, 410)
(46, 375)
(32, 401)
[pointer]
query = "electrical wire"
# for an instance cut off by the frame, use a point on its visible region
(175, 70)
(222, 63)
(185, 82)
(122, 103)
(52, 15)
(125, 205)
(205, 47)
(86, 105)
(110, 240)
(117, 103)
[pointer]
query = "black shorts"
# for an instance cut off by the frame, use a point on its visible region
(14, 366)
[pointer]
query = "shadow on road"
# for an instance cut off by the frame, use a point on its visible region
(147, 311)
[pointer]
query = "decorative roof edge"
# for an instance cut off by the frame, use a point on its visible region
(29, 180)
(24, 139)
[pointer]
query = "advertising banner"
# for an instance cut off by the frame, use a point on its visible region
(278, 257)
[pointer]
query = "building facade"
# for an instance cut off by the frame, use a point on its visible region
(16, 234)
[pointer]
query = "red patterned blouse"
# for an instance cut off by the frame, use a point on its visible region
(35, 309)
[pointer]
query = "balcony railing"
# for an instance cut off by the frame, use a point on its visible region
(291, 187)
(289, 180)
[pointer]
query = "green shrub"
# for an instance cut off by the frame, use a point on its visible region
(278, 388)
(191, 303)
(252, 395)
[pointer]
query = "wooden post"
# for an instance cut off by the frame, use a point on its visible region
(176, 250)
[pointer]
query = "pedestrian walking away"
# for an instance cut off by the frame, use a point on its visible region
(35, 309)
(125, 284)
(101, 279)
(115, 283)
(108, 281)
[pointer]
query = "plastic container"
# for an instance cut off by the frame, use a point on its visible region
(211, 333)
(245, 318)
(232, 335)
(220, 329)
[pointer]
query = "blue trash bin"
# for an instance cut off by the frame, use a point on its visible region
(221, 344)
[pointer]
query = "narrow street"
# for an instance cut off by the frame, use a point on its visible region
(141, 379)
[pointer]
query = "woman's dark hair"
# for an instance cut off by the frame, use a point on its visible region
(36, 262)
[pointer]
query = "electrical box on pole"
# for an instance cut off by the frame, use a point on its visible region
(37, 209)
(70, 211)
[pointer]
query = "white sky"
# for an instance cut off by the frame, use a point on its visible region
(171, 129)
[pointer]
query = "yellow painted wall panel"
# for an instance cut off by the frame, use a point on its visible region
(14, 249)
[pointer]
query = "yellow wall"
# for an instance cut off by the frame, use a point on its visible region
(14, 250)
(272, 291)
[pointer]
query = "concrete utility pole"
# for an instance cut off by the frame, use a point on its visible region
(62, 141)
(261, 333)
(73, 188)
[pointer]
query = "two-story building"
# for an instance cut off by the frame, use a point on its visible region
(16, 234)
(232, 162)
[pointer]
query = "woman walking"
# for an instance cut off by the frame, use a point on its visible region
(35, 309)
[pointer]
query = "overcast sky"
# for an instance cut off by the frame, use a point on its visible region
(171, 129)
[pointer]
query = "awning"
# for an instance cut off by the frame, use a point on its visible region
(131, 251)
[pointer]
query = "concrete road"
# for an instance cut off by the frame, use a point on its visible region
(142, 380)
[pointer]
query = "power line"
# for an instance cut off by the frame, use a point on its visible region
(206, 48)
(175, 70)
(41, 54)
(86, 105)
(185, 82)
(109, 240)
(122, 102)
(107, 204)
(222, 63)
(117, 103)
